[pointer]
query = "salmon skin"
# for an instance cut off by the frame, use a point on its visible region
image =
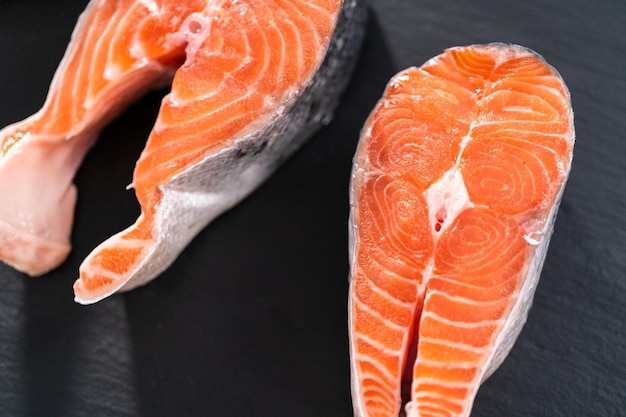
(251, 82)
(455, 188)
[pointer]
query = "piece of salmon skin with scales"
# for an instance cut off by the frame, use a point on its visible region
(251, 82)
(455, 187)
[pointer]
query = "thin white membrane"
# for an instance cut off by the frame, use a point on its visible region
(435, 381)
(151, 5)
(111, 70)
(464, 300)
(503, 52)
(104, 42)
(89, 66)
(455, 345)
(381, 317)
(376, 364)
(385, 294)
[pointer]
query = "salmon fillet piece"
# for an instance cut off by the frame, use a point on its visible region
(251, 81)
(455, 188)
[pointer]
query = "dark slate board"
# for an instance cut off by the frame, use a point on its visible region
(251, 319)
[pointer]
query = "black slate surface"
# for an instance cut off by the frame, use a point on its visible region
(251, 319)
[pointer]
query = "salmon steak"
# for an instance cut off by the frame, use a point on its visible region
(455, 187)
(251, 81)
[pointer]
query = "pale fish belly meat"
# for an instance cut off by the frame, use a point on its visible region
(455, 188)
(251, 81)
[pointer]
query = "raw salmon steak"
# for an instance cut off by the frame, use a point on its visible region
(455, 187)
(251, 81)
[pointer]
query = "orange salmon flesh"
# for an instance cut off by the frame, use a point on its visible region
(455, 186)
(251, 80)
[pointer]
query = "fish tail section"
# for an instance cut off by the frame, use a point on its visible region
(28, 252)
(477, 274)
(385, 302)
(38, 200)
(112, 266)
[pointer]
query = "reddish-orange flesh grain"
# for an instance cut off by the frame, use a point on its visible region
(255, 51)
(499, 117)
